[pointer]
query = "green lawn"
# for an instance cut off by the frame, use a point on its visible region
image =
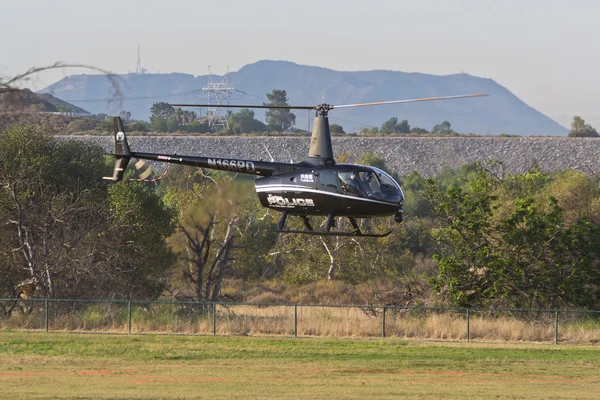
(83, 366)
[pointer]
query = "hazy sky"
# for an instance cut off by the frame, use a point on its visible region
(547, 52)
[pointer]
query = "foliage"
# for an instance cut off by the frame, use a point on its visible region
(243, 121)
(161, 110)
(580, 129)
(475, 235)
(281, 119)
(369, 131)
(125, 115)
(445, 128)
(144, 223)
(525, 256)
(57, 225)
(335, 128)
(82, 125)
(393, 126)
(419, 131)
(205, 240)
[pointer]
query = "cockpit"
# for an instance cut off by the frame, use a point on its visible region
(372, 183)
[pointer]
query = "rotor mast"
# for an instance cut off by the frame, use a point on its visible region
(320, 151)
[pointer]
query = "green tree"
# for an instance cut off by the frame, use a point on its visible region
(172, 125)
(125, 115)
(281, 119)
(144, 223)
(580, 129)
(243, 121)
(445, 128)
(393, 126)
(335, 128)
(523, 255)
(161, 110)
(419, 131)
(369, 131)
(57, 223)
(159, 124)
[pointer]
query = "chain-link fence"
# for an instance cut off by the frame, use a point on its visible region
(297, 320)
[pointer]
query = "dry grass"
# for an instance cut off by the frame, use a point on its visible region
(313, 321)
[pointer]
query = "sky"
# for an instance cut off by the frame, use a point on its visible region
(547, 52)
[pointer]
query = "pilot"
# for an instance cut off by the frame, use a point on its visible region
(367, 178)
(354, 183)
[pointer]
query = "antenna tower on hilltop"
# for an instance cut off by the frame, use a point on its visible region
(139, 69)
(218, 95)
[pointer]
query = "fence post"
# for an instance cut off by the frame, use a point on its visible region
(468, 324)
(214, 321)
(295, 320)
(46, 312)
(383, 322)
(129, 317)
(556, 327)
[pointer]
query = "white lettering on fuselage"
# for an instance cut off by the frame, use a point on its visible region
(279, 201)
(231, 165)
(306, 178)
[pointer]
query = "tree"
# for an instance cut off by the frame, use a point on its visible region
(419, 131)
(445, 128)
(125, 115)
(369, 131)
(159, 124)
(142, 223)
(580, 129)
(243, 121)
(335, 128)
(281, 119)
(161, 110)
(64, 235)
(205, 239)
(392, 126)
(404, 127)
(523, 255)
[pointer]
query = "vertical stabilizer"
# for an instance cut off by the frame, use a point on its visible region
(122, 152)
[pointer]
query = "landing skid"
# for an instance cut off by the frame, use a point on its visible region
(327, 232)
(330, 233)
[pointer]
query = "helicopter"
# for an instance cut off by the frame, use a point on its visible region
(317, 186)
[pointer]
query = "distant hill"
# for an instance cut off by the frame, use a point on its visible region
(502, 112)
(25, 99)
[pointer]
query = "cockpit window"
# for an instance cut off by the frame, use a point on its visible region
(350, 183)
(389, 188)
(374, 184)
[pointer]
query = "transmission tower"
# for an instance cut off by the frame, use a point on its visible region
(218, 94)
(139, 69)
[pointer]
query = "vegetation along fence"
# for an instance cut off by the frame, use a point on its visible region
(295, 320)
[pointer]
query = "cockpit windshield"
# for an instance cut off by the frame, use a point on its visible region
(372, 183)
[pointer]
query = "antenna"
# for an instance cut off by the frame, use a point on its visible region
(269, 153)
(218, 96)
(139, 69)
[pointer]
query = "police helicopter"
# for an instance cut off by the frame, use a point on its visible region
(317, 186)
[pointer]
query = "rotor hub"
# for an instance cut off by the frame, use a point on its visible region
(323, 109)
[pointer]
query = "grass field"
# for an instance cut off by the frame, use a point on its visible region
(85, 366)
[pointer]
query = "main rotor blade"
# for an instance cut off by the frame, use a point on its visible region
(244, 106)
(463, 96)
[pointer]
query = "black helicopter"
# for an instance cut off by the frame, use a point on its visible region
(316, 186)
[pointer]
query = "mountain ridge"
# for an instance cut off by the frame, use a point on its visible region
(501, 112)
